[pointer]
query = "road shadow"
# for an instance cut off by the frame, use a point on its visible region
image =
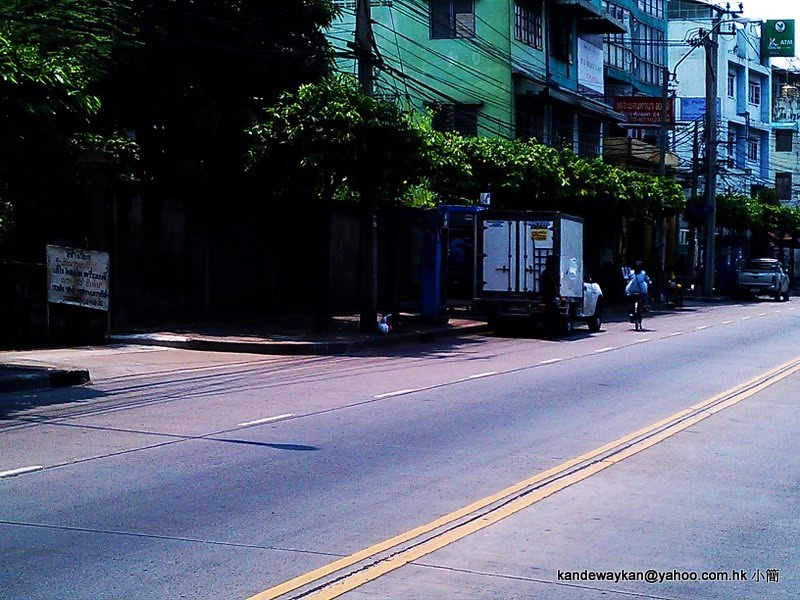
(292, 447)
(13, 405)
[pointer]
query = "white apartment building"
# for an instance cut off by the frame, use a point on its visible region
(785, 145)
(743, 91)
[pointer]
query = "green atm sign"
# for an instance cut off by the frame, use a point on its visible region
(777, 38)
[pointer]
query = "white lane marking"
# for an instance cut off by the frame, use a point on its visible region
(639, 341)
(479, 375)
(267, 420)
(550, 361)
(20, 471)
(777, 311)
(606, 349)
(701, 327)
(762, 314)
(727, 322)
(395, 393)
(745, 318)
(676, 333)
(792, 308)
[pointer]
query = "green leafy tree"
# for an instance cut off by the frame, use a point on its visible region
(448, 177)
(330, 140)
(738, 212)
(595, 188)
(50, 57)
(198, 76)
(519, 174)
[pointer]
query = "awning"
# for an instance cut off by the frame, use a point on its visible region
(580, 8)
(591, 16)
(623, 149)
(583, 103)
(524, 85)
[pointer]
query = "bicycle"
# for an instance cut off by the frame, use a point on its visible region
(638, 311)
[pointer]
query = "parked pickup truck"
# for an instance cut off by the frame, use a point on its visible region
(763, 277)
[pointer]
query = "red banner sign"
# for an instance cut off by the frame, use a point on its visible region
(643, 110)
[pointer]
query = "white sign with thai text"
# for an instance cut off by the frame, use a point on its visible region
(78, 277)
(590, 66)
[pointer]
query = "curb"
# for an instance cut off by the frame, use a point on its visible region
(289, 347)
(51, 378)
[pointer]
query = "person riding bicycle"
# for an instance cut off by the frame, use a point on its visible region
(638, 284)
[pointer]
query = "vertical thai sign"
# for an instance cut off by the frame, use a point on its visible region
(777, 38)
(77, 277)
(590, 64)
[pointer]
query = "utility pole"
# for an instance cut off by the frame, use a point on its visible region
(711, 45)
(661, 245)
(368, 254)
(695, 177)
(363, 46)
(695, 158)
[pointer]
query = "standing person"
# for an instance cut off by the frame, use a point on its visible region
(550, 282)
(638, 283)
(550, 289)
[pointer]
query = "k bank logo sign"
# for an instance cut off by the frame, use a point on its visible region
(777, 38)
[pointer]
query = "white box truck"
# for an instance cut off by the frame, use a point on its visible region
(512, 250)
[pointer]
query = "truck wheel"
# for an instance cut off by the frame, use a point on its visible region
(596, 320)
(777, 297)
(786, 295)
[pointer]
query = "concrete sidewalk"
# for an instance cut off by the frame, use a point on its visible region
(17, 378)
(283, 335)
(294, 335)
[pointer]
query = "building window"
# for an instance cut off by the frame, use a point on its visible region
(732, 162)
(648, 49)
(652, 7)
(731, 83)
(462, 118)
(783, 186)
(561, 39)
(752, 150)
(562, 132)
(754, 92)
(617, 48)
(589, 136)
(452, 18)
(784, 140)
(528, 22)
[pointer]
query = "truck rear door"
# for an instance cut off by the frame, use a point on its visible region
(536, 243)
(499, 255)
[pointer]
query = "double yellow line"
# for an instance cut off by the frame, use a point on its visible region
(337, 578)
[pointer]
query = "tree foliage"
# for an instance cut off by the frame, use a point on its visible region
(331, 140)
(51, 54)
(522, 174)
(199, 74)
(164, 88)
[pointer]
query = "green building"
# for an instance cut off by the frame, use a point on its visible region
(511, 68)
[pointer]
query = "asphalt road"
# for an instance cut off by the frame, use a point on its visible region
(187, 475)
